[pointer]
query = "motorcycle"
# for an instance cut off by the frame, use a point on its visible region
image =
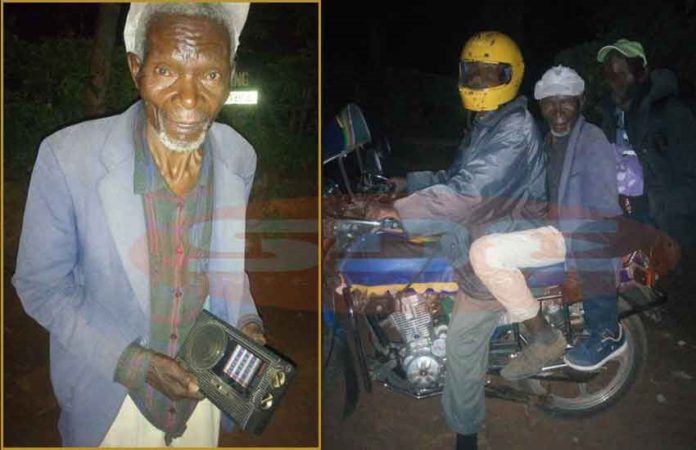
(385, 316)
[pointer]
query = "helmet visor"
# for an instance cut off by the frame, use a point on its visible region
(482, 75)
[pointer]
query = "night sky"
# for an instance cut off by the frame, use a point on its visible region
(428, 36)
(425, 35)
(360, 35)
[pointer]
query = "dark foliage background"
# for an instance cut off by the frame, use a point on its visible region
(47, 67)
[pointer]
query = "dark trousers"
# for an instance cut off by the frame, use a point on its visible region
(591, 249)
(596, 248)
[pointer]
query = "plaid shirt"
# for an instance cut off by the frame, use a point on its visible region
(178, 232)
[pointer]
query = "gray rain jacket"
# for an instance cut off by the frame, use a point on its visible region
(497, 183)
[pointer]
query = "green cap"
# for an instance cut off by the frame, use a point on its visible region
(630, 49)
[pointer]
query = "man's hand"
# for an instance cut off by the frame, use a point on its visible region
(570, 288)
(380, 211)
(664, 255)
(254, 331)
(168, 377)
(399, 184)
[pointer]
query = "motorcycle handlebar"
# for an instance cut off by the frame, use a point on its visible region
(353, 225)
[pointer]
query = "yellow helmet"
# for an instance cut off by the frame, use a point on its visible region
(489, 50)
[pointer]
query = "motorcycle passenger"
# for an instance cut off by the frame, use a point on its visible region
(645, 114)
(496, 183)
(582, 186)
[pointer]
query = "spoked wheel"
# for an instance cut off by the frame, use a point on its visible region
(570, 393)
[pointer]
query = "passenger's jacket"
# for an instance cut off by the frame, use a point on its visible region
(588, 187)
(497, 183)
(662, 130)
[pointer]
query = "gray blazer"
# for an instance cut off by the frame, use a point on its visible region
(82, 268)
(588, 187)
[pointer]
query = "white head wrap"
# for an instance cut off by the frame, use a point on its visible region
(559, 80)
(237, 13)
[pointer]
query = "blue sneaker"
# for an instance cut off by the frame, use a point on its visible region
(596, 351)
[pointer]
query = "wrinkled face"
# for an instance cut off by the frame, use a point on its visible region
(621, 80)
(184, 79)
(560, 112)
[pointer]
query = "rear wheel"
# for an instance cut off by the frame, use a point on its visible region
(592, 392)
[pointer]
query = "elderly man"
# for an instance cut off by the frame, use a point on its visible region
(126, 222)
(582, 184)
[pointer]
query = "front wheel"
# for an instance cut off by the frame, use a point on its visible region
(595, 391)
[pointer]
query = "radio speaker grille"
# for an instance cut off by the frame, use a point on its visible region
(207, 347)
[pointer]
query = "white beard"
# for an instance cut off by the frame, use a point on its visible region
(563, 134)
(180, 146)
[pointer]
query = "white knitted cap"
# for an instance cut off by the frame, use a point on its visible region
(559, 80)
(237, 13)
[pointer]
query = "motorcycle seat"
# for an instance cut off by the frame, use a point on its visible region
(378, 275)
(546, 276)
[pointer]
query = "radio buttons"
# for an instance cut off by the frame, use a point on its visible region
(267, 401)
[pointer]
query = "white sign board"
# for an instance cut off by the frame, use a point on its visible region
(242, 98)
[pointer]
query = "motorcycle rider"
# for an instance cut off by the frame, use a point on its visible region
(496, 183)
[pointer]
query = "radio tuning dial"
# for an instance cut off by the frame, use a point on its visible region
(267, 401)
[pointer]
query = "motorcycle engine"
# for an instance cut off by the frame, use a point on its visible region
(423, 352)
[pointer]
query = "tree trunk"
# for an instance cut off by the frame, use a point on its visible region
(100, 68)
